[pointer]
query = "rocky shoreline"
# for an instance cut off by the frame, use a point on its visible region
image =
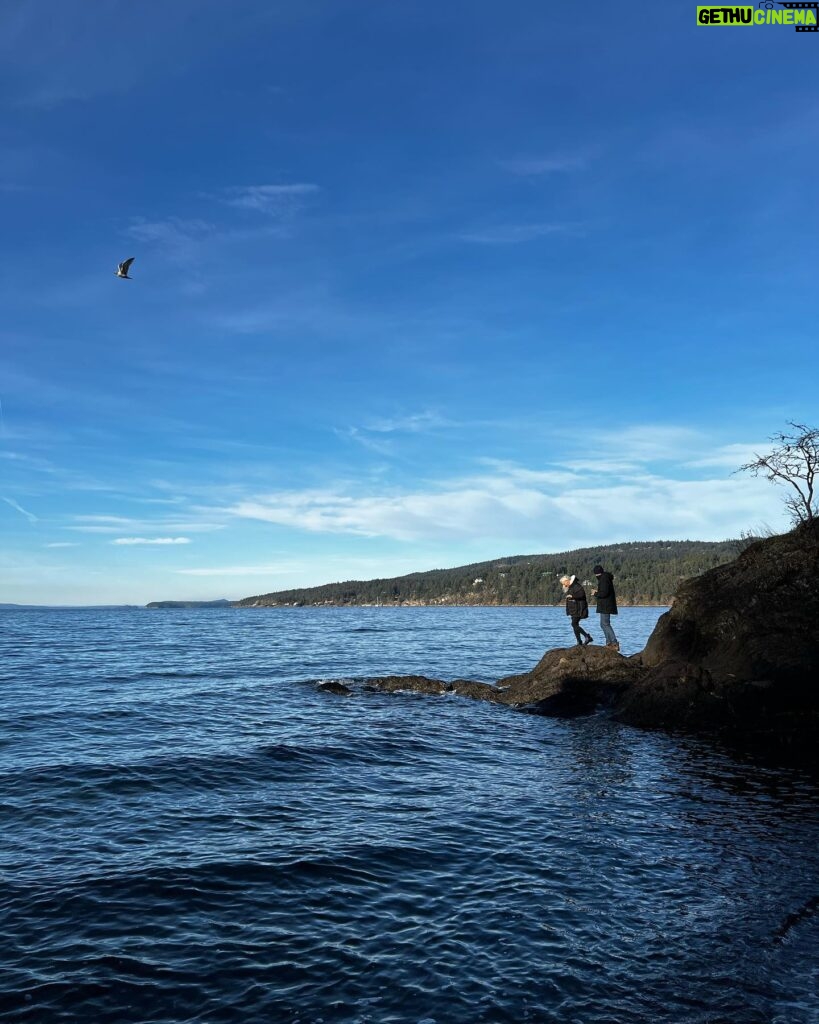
(736, 656)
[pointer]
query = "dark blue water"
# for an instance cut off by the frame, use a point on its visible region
(191, 832)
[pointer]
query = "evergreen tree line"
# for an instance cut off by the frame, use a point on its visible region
(645, 572)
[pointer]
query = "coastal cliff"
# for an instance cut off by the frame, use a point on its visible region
(738, 652)
(737, 656)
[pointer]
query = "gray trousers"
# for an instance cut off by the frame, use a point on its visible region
(608, 632)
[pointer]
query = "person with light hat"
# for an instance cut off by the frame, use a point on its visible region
(577, 607)
(606, 604)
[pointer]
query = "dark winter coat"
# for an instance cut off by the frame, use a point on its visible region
(577, 604)
(606, 597)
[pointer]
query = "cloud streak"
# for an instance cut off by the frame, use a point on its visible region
(515, 234)
(379, 434)
(273, 200)
(188, 523)
(515, 502)
(415, 423)
(555, 164)
(23, 512)
(241, 570)
(178, 239)
(151, 540)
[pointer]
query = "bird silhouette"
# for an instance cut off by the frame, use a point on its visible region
(124, 267)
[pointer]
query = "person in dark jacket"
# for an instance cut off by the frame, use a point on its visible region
(606, 604)
(577, 606)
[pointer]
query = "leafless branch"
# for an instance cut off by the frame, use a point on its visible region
(793, 462)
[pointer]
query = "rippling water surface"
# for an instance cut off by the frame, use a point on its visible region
(190, 831)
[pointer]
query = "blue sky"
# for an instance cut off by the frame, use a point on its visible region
(416, 284)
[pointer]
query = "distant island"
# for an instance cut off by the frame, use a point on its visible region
(646, 573)
(222, 603)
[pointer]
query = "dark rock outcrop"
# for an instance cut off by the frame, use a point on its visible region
(738, 652)
(477, 691)
(334, 686)
(570, 681)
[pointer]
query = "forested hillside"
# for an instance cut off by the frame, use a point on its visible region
(645, 573)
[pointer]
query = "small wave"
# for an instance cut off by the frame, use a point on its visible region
(804, 913)
(138, 677)
(192, 772)
(206, 881)
(188, 772)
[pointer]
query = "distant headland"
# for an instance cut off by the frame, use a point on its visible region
(222, 603)
(646, 573)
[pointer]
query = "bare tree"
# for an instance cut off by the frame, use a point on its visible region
(795, 462)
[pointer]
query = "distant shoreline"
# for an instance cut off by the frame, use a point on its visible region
(435, 604)
(259, 607)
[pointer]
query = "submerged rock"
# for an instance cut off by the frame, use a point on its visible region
(420, 684)
(333, 686)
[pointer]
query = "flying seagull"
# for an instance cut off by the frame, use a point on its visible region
(124, 267)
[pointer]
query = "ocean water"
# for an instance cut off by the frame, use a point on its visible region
(190, 831)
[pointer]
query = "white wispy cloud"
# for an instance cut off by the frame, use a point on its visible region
(308, 308)
(650, 442)
(414, 423)
(105, 519)
(104, 524)
(192, 242)
(195, 521)
(373, 444)
(570, 507)
(375, 435)
(29, 461)
(178, 239)
(23, 512)
(151, 540)
(274, 200)
(240, 570)
(47, 97)
(514, 234)
(729, 456)
(611, 466)
(404, 517)
(684, 447)
(62, 544)
(553, 164)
